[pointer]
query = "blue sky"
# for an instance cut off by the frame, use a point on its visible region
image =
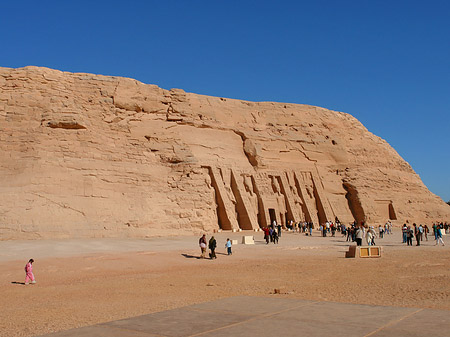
(385, 62)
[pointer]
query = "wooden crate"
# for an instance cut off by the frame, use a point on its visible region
(370, 251)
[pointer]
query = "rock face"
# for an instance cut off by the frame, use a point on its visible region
(89, 156)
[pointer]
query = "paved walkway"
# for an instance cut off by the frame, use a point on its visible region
(275, 316)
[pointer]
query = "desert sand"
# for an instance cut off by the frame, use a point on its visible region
(83, 282)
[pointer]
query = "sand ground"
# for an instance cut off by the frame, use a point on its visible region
(83, 282)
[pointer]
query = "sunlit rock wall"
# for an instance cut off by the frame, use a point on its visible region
(84, 155)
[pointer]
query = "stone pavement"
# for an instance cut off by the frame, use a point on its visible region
(275, 316)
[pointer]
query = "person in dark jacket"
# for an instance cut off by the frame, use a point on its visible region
(275, 237)
(212, 246)
(409, 235)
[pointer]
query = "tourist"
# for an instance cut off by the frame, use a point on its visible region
(325, 230)
(388, 227)
(310, 227)
(212, 247)
(435, 230)
(228, 245)
(381, 231)
(343, 230)
(416, 233)
(349, 233)
(409, 235)
(359, 234)
(439, 236)
(420, 231)
(275, 237)
(266, 234)
(29, 276)
(279, 230)
(405, 233)
(371, 235)
(202, 244)
(426, 230)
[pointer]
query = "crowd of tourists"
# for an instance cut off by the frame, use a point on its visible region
(272, 233)
(349, 231)
(354, 232)
(420, 232)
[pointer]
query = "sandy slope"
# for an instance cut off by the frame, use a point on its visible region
(90, 285)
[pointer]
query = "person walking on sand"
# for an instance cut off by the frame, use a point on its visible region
(212, 246)
(266, 234)
(405, 233)
(202, 244)
(374, 235)
(417, 234)
(439, 236)
(279, 230)
(275, 237)
(29, 273)
(409, 236)
(369, 237)
(359, 234)
(420, 229)
(228, 245)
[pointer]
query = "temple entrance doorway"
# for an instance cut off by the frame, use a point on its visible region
(272, 215)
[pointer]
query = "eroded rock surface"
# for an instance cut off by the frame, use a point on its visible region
(89, 156)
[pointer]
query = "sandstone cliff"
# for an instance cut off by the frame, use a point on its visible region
(84, 155)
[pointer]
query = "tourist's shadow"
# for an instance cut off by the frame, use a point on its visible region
(22, 283)
(188, 256)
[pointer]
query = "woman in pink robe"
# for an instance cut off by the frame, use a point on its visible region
(29, 273)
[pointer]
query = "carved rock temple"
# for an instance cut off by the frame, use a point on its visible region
(85, 155)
